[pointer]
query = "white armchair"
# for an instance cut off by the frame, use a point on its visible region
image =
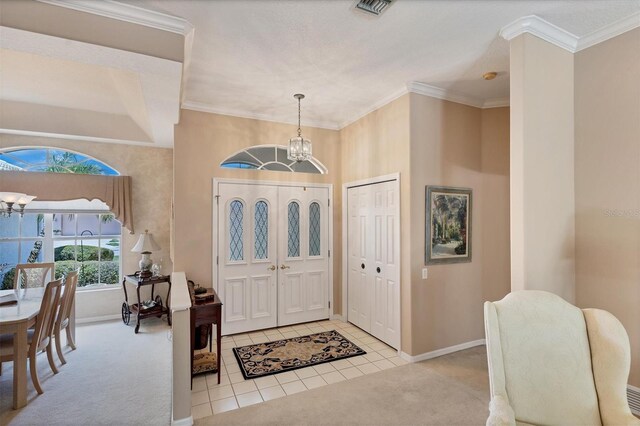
(551, 363)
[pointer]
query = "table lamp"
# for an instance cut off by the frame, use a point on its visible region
(145, 245)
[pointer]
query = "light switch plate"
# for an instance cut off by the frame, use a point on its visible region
(425, 273)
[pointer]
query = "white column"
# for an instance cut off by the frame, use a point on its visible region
(181, 339)
(542, 167)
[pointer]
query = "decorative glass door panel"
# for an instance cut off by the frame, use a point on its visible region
(303, 293)
(272, 255)
(247, 279)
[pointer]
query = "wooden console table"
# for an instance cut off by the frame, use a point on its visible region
(150, 308)
(208, 311)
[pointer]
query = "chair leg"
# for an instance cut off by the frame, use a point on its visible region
(52, 363)
(70, 340)
(59, 348)
(34, 373)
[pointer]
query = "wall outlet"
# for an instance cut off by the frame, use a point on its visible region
(425, 273)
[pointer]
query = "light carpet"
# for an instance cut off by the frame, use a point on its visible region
(449, 390)
(115, 377)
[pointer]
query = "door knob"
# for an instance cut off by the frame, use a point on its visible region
(378, 269)
(362, 266)
(283, 266)
(272, 268)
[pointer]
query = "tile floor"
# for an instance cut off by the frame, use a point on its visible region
(210, 398)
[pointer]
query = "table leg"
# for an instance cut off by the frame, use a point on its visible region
(20, 366)
(218, 338)
(139, 309)
(124, 287)
(167, 303)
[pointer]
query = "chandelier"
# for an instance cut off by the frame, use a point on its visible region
(299, 148)
(9, 199)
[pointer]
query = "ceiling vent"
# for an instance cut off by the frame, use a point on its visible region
(375, 7)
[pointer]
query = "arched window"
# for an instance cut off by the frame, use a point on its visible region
(271, 157)
(261, 236)
(293, 236)
(314, 229)
(56, 160)
(75, 234)
(236, 230)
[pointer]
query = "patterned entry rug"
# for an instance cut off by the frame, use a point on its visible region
(279, 356)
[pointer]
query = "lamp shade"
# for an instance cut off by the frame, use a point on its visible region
(145, 243)
(11, 197)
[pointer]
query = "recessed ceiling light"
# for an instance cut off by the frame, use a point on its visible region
(489, 75)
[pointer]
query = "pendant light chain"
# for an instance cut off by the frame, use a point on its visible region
(299, 131)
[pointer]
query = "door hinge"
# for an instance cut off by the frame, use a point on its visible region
(217, 199)
(329, 253)
(329, 304)
(329, 202)
(217, 260)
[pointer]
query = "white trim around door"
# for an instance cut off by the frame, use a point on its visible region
(395, 177)
(219, 252)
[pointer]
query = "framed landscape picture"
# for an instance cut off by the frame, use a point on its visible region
(448, 225)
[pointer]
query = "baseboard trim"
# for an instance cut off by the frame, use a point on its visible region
(633, 397)
(98, 319)
(336, 317)
(187, 421)
(441, 352)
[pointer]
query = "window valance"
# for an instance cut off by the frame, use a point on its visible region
(115, 191)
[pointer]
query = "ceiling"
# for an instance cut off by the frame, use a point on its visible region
(250, 57)
(62, 87)
(114, 83)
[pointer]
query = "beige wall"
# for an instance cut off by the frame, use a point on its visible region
(542, 167)
(151, 172)
(435, 142)
(202, 142)
(607, 158)
(457, 145)
(376, 145)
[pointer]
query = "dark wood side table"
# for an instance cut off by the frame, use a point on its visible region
(206, 311)
(149, 308)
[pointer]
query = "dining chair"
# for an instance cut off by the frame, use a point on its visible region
(64, 313)
(31, 275)
(40, 336)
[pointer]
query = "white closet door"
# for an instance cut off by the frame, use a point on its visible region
(358, 246)
(303, 247)
(373, 245)
(247, 256)
(385, 268)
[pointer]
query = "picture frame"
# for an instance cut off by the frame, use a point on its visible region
(448, 218)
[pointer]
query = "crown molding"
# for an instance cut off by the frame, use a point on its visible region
(202, 107)
(564, 39)
(612, 30)
(540, 28)
(18, 132)
(413, 87)
(376, 105)
(439, 93)
(128, 13)
(496, 103)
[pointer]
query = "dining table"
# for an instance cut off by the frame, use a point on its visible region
(16, 319)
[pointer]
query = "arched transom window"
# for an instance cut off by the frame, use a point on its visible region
(52, 160)
(271, 157)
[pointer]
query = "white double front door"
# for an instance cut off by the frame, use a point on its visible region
(272, 255)
(373, 260)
